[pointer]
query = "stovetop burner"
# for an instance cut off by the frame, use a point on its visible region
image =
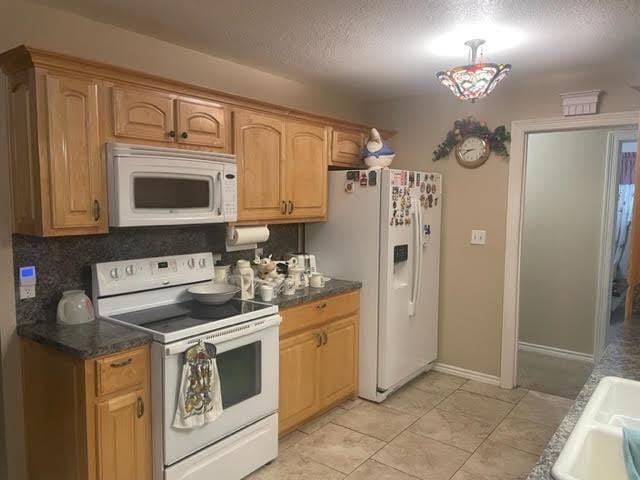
(179, 316)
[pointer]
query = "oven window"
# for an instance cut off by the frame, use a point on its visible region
(240, 373)
(171, 193)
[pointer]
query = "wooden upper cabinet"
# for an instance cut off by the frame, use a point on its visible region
(23, 155)
(346, 148)
(305, 170)
(76, 170)
(259, 147)
(202, 123)
(58, 177)
(143, 114)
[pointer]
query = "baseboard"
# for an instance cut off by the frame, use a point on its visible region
(464, 373)
(555, 352)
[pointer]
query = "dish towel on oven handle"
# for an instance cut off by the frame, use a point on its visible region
(200, 399)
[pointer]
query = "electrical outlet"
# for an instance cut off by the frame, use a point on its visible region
(27, 292)
(478, 237)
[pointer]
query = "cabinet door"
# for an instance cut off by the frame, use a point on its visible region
(346, 148)
(299, 363)
(77, 179)
(259, 147)
(305, 171)
(202, 123)
(339, 360)
(123, 438)
(143, 114)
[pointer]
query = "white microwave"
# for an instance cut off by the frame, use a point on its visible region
(168, 186)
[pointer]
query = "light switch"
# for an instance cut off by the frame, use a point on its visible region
(478, 237)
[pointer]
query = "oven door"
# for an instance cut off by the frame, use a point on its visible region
(247, 358)
(159, 191)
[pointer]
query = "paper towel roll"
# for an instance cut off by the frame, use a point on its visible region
(248, 235)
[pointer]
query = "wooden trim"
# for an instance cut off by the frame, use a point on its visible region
(464, 373)
(510, 304)
(556, 352)
(23, 57)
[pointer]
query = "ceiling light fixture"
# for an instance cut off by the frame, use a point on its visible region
(475, 80)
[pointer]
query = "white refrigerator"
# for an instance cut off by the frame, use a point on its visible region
(383, 229)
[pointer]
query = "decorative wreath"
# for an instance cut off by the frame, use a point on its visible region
(470, 126)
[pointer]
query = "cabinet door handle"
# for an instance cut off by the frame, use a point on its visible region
(121, 364)
(325, 338)
(172, 133)
(290, 207)
(318, 339)
(184, 135)
(96, 210)
(140, 407)
(284, 207)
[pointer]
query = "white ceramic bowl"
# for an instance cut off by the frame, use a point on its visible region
(379, 162)
(213, 293)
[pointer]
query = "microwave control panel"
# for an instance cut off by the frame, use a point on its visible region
(230, 193)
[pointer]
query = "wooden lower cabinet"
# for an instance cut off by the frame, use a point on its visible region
(299, 365)
(73, 432)
(339, 362)
(318, 358)
(122, 439)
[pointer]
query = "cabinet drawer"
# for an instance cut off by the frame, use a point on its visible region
(120, 371)
(319, 312)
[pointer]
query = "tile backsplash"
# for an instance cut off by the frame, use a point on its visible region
(64, 263)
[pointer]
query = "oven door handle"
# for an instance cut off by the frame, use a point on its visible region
(224, 334)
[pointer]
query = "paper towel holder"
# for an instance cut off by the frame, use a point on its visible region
(231, 229)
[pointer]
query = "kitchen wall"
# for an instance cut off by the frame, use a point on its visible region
(42, 27)
(64, 263)
(561, 238)
(471, 277)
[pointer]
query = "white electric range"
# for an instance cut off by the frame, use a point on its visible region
(151, 295)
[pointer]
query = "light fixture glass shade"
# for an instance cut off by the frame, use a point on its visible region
(471, 82)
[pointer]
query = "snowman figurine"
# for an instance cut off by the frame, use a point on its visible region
(377, 154)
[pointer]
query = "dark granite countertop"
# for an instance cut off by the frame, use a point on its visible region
(86, 340)
(331, 288)
(620, 359)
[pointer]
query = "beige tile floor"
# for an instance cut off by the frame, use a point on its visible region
(439, 427)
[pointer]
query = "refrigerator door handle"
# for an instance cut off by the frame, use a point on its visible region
(417, 263)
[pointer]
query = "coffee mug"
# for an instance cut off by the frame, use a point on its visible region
(317, 280)
(266, 293)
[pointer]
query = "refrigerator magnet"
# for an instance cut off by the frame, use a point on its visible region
(373, 178)
(348, 187)
(428, 188)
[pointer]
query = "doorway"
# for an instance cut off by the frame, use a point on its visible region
(563, 193)
(625, 148)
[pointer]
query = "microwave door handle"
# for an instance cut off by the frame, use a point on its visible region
(219, 178)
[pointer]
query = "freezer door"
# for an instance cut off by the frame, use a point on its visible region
(407, 324)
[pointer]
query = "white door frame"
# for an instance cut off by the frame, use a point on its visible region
(605, 259)
(519, 131)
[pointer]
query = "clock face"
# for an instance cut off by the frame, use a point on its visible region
(472, 152)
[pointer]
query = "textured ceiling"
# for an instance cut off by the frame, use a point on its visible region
(379, 48)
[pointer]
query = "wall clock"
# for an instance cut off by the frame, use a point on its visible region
(472, 151)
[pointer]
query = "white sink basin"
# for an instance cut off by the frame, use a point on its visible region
(594, 448)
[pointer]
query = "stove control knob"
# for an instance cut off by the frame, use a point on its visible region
(202, 262)
(115, 273)
(191, 263)
(129, 270)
